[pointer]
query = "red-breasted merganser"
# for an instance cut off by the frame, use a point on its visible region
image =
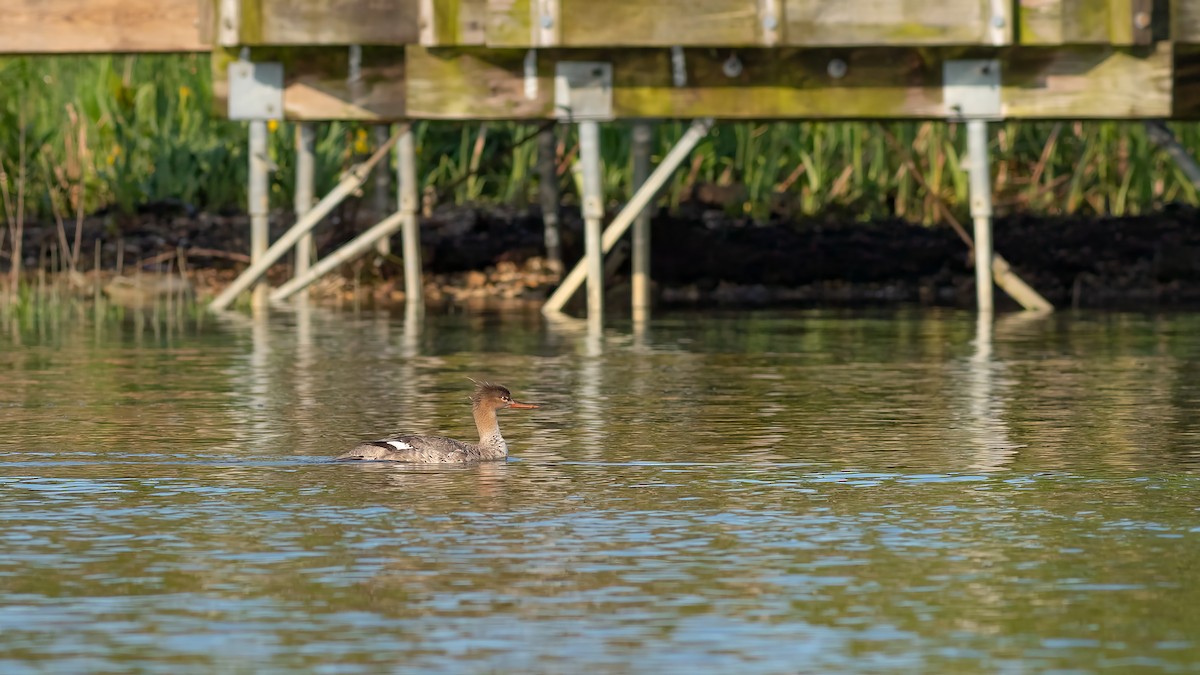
(485, 401)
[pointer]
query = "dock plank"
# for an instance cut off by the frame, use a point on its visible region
(888, 22)
(328, 22)
(100, 26)
(587, 23)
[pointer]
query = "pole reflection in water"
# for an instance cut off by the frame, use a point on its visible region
(258, 386)
(986, 391)
(250, 383)
(305, 361)
(588, 397)
(305, 355)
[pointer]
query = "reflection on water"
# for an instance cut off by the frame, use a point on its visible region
(772, 492)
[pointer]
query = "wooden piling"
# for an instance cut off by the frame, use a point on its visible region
(258, 197)
(548, 196)
(643, 136)
(981, 211)
(349, 184)
(407, 200)
(306, 138)
(593, 213)
(382, 189)
(641, 198)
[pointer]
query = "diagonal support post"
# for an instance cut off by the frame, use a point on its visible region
(353, 181)
(349, 251)
(640, 200)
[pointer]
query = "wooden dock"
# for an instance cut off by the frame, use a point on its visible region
(731, 59)
(584, 60)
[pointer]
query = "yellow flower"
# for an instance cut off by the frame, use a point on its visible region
(360, 142)
(272, 125)
(184, 93)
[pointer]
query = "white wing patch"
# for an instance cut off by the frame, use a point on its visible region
(399, 445)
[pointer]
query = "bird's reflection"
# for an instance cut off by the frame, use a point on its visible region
(486, 479)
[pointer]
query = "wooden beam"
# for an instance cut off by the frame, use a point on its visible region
(744, 23)
(475, 83)
(327, 22)
(1063, 82)
(894, 22)
(315, 83)
(101, 26)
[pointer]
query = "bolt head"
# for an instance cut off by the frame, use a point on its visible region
(732, 66)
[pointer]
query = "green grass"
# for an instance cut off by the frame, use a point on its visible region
(118, 131)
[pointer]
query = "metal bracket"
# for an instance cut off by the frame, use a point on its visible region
(583, 90)
(255, 91)
(971, 89)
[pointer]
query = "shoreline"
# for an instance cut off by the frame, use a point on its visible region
(701, 257)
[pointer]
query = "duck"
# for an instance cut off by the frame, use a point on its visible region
(486, 400)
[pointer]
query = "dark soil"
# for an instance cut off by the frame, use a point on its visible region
(700, 256)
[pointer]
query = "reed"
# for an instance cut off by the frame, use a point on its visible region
(85, 134)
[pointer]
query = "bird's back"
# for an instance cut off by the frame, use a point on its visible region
(414, 449)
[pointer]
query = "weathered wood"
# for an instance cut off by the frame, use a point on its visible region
(106, 26)
(1065, 82)
(1057, 22)
(206, 21)
(509, 23)
(744, 23)
(1187, 82)
(1185, 21)
(327, 22)
(452, 22)
(316, 85)
(588, 23)
(893, 22)
(1088, 82)
(474, 83)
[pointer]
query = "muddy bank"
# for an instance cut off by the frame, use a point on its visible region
(701, 256)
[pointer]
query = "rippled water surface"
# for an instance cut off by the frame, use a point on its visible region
(755, 492)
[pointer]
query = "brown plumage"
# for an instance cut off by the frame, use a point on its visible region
(485, 401)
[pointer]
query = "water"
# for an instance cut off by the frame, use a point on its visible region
(764, 492)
